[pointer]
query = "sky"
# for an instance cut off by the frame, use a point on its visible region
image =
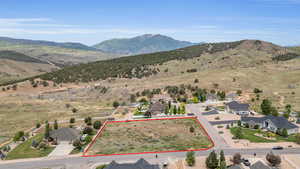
(92, 21)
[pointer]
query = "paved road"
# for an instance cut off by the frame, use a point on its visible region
(86, 162)
(223, 122)
(219, 141)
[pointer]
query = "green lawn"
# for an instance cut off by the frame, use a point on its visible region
(249, 134)
(24, 150)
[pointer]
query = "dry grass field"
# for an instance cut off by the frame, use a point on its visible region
(150, 136)
(21, 113)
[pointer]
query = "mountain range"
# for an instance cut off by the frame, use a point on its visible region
(147, 43)
(19, 56)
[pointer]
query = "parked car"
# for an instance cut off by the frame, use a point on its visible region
(246, 162)
(277, 148)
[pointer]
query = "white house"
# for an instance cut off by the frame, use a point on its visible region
(237, 108)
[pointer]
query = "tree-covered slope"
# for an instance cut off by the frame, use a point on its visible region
(132, 66)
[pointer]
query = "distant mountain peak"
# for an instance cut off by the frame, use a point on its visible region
(147, 43)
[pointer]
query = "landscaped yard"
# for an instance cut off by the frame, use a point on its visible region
(150, 136)
(24, 150)
(251, 135)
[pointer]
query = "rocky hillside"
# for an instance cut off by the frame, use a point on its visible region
(147, 43)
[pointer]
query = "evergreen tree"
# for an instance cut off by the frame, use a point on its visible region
(222, 156)
(55, 126)
(288, 108)
(212, 161)
(266, 107)
(284, 132)
(223, 165)
(47, 131)
(175, 110)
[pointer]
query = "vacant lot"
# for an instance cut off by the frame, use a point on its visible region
(150, 136)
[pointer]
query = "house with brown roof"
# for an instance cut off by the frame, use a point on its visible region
(157, 108)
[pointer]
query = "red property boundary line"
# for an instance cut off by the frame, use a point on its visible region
(109, 122)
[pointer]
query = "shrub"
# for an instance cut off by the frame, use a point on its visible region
(55, 126)
(34, 144)
(77, 144)
(190, 158)
(42, 145)
(116, 104)
(256, 126)
(18, 135)
(72, 120)
(88, 121)
(88, 130)
(74, 110)
(256, 90)
(101, 166)
(38, 125)
(192, 129)
(97, 125)
(239, 92)
(274, 160)
(237, 159)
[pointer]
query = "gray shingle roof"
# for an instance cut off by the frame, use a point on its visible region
(140, 164)
(157, 107)
(279, 122)
(65, 134)
(259, 165)
(234, 105)
(235, 167)
(210, 112)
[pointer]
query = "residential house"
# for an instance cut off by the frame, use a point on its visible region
(157, 108)
(236, 167)
(140, 164)
(259, 165)
(65, 134)
(211, 97)
(237, 108)
(271, 123)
